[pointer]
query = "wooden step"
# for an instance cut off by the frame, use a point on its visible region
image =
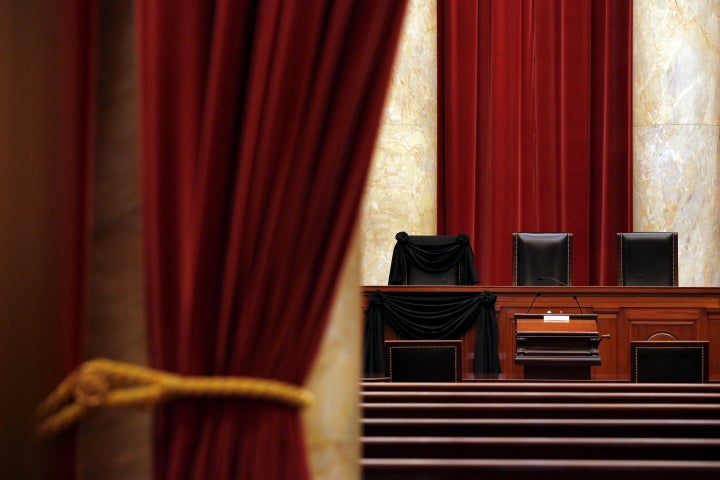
(549, 386)
(542, 447)
(542, 410)
(479, 396)
(538, 469)
(534, 427)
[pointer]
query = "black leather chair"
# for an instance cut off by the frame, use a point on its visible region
(669, 361)
(423, 360)
(647, 259)
(542, 259)
(432, 260)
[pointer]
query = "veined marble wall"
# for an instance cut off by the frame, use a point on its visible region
(332, 422)
(676, 134)
(676, 137)
(401, 193)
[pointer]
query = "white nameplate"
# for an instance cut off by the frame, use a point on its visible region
(556, 318)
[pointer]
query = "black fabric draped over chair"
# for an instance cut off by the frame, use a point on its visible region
(427, 257)
(432, 316)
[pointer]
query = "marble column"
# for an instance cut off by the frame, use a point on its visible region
(400, 196)
(332, 423)
(676, 134)
(401, 193)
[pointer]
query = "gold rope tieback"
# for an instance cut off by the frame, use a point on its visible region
(108, 383)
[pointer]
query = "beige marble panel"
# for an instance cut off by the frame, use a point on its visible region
(402, 192)
(332, 423)
(676, 110)
(401, 196)
(413, 91)
(676, 62)
(676, 183)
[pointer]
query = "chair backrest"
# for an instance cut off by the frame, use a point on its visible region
(542, 259)
(669, 362)
(416, 275)
(423, 360)
(647, 259)
(432, 260)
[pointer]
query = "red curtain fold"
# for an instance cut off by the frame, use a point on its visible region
(534, 128)
(75, 99)
(258, 121)
(611, 135)
(77, 64)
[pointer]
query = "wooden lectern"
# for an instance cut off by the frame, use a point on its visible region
(556, 346)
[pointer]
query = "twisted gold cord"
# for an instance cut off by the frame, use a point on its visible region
(104, 383)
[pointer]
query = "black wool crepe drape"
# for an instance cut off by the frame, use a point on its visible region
(435, 256)
(432, 316)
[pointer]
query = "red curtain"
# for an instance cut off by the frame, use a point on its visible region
(74, 97)
(535, 128)
(258, 121)
(76, 63)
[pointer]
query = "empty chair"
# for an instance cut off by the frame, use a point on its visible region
(647, 259)
(542, 259)
(432, 260)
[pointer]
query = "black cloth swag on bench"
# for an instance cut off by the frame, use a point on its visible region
(432, 316)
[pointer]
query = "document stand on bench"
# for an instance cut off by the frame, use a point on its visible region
(556, 347)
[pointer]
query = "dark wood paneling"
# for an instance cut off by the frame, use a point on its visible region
(624, 314)
(713, 334)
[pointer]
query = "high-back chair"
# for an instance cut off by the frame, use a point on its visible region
(432, 260)
(542, 258)
(647, 259)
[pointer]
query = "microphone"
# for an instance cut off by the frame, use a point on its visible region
(578, 303)
(553, 279)
(533, 301)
